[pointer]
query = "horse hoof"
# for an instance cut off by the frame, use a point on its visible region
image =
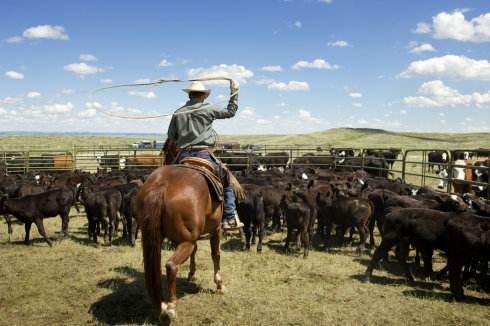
(221, 291)
(168, 313)
(191, 278)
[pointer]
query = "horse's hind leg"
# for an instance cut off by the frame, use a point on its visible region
(215, 254)
(192, 268)
(182, 252)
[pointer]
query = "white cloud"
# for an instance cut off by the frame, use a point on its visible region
(403, 112)
(435, 94)
(326, 1)
(165, 63)
(87, 57)
(290, 86)
(142, 81)
(234, 71)
(357, 105)
(67, 91)
(339, 44)
(82, 69)
(11, 100)
(247, 113)
(449, 65)
(106, 81)
(47, 32)
(422, 28)
(14, 39)
(426, 47)
(307, 116)
(271, 68)
(362, 121)
(355, 95)
(264, 81)
(147, 95)
(298, 24)
(14, 75)
(315, 64)
(455, 26)
(33, 94)
(58, 107)
(90, 110)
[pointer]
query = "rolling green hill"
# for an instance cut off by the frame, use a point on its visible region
(365, 137)
(338, 137)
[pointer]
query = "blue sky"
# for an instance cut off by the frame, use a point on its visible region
(303, 65)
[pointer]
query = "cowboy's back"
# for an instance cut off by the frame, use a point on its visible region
(195, 128)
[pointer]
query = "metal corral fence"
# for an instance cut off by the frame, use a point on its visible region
(410, 165)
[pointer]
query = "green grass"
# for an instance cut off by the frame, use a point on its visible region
(337, 137)
(371, 138)
(76, 283)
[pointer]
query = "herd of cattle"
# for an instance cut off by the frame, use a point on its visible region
(309, 200)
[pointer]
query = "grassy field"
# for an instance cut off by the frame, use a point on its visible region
(77, 283)
(371, 138)
(338, 137)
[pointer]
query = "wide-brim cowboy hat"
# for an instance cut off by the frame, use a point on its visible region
(197, 87)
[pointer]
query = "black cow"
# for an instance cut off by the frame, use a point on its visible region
(468, 238)
(346, 212)
(390, 155)
(236, 161)
(34, 208)
(423, 228)
(251, 212)
(311, 160)
(437, 158)
(297, 216)
(101, 207)
(130, 213)
(271, 160)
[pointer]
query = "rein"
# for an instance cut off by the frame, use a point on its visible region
(159, 82)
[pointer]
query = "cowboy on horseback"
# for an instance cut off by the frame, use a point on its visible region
(194, 137)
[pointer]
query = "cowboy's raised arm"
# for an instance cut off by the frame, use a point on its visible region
(232, 107)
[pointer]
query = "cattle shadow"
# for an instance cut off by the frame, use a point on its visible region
(128, 302)
(232, 244)
(444, 296)
(80, 236)
(278, 247)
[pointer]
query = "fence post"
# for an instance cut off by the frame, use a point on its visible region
(74, 158)
(449, 172)
(291, 157)
(26, 162)
(362, 158)
(404, 168)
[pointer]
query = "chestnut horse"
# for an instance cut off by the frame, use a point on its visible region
(175, 203)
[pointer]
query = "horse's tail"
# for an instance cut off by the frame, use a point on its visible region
(150, 217)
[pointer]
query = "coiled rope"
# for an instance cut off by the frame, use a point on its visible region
(159, 82)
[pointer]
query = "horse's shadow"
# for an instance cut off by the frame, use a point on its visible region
(128, 302)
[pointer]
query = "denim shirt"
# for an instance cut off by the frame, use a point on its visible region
(195, 128)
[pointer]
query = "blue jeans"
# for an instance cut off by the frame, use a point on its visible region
(229, 195)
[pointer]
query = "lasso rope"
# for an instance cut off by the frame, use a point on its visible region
(159, 82)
